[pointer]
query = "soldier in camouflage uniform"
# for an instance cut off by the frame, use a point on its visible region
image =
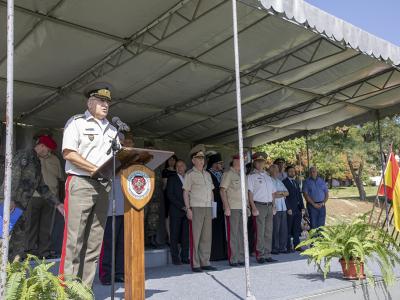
(26, 179)
(152, 212)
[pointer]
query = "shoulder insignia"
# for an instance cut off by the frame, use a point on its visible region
(79, 116)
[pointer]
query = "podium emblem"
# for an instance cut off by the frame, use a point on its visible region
(138, 185)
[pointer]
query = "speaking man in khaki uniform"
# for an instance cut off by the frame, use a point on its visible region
(231, 195)
(86, 146)
(198, 195)
(262, 201)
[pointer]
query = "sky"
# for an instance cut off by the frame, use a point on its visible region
(379, 17)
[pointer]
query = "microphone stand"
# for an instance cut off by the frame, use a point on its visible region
(114, 147)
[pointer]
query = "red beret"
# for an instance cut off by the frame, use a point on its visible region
(47, 141)
(237, 156)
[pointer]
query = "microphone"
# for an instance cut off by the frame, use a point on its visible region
(120, 125)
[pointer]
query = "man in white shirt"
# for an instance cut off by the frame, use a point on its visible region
(280, 231)
(86, 146)
(262, 190)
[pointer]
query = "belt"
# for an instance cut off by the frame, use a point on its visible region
(263, 203)
(87, 177)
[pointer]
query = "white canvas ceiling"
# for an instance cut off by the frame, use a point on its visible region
(171, 63)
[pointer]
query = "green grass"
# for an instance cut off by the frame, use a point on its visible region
(351, 192)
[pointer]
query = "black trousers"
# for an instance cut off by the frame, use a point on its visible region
(294, 228)
(179, 233)
(105, 255)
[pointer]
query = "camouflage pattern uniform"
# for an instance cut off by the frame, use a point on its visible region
(152, 211)
(26, 179)
(2, 169)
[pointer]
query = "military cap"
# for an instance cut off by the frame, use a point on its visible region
(215, 157)
(47, 141)
(101, 90)
(259, 156)
(279, 160)
(198, 151)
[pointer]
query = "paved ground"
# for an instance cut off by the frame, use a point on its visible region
(288, 279)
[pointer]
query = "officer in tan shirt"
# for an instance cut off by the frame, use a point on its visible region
(231, 195)
(41, 213)
(198, 197)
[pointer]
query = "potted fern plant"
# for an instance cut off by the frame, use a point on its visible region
(27, 282)
(355, 244)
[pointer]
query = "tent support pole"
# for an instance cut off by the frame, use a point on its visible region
(383, 164)
(9, 144)
(249, 295)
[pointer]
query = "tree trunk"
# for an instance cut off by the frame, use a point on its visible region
(357, 176)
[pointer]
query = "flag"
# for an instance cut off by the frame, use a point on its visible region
(392, 184)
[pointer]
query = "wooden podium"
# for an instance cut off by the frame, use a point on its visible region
(137, 183)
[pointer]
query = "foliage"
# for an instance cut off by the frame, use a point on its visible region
(289, 150)
(358, 241)
(25, 282)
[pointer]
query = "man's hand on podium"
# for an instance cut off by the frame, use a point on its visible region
(93, 170)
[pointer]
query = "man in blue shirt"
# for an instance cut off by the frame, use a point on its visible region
(316, 194)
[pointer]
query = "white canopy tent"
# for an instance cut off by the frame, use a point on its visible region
(171, 63)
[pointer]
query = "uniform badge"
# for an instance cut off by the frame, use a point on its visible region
(91, 137)
(24, 162)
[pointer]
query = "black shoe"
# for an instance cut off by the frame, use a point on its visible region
(209, 268)
(261, 260)
(284, 252)
(270, 260)
(119, 278)
(233, 264)
(196, 270)
(274, 252)
(176, 262)
(185, 261)
(241, 263)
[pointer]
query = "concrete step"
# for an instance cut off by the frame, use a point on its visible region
(157, 257)
(360, 291)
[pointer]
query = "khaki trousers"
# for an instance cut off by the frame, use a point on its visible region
(200, 236)
(264, 228)
(235, 236)
(39, 226)
(86, 207)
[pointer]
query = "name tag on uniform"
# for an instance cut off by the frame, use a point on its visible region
(90, 133)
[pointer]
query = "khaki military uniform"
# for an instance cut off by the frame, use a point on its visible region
(26, 179)
(199, 185)
(40, 213)
(231, 183)
(86, 201)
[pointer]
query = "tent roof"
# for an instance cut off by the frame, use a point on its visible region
(171, 63)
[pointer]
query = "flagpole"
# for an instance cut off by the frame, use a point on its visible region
(9, 145)
(249, 295)
(383, 164)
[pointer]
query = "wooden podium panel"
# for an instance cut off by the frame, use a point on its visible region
(134, 252)
(137, 183)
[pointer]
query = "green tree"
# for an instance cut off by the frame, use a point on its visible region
(347, 141)
(292, 151)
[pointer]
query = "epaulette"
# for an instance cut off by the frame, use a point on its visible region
(79, 116)
(190, 171)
